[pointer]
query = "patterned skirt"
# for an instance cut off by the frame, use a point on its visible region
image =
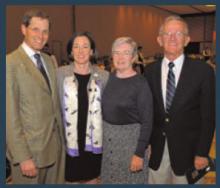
(119, 145)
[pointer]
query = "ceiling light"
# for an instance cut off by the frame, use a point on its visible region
(210, 5)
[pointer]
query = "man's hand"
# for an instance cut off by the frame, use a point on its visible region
(28, 168)
(137, 163)
(200, 162)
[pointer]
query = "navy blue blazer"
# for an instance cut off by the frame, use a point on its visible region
(189, 127)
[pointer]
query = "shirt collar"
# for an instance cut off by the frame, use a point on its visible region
(178, 62)
(30, 52)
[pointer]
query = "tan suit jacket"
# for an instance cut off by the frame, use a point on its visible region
(34, 128)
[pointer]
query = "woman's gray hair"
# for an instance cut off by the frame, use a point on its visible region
(172, 18)
(125, 40)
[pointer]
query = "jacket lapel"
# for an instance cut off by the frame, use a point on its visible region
(158, 86)
(50, 74)
(32, 69)
(183, 83)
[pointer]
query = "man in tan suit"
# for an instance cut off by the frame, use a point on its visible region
(34, 135)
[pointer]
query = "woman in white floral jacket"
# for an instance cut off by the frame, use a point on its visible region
(80, 89)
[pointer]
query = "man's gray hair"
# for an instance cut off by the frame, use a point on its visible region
(171, 18)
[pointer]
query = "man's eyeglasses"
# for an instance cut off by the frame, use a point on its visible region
(177, 34)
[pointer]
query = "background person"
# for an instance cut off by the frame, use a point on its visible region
(138, 65)
(46, 49)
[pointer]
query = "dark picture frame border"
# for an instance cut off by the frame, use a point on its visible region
(4, 4)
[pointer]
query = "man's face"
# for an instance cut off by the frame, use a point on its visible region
(173, 38)
(37, 33)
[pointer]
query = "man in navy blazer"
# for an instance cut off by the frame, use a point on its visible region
(182, 134)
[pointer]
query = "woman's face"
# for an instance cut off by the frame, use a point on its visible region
(81, 50)
(123, 57)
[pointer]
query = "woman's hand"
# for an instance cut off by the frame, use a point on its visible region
(137, 163)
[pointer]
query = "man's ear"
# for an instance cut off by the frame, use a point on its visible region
(187, 40)
(159, 40)
(23, 29)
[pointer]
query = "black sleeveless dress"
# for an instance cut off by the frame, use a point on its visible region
(87, 165)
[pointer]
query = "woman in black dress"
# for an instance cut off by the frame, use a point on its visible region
(80, 88)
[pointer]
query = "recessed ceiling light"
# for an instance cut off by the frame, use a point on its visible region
(210, 5)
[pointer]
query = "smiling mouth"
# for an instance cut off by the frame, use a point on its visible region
(120, 63)
(38, 42)
(80, 57)
(172, 44)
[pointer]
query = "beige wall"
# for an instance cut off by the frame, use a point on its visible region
(106, 23)
(202, 30)
(109, 22)
(201, 27)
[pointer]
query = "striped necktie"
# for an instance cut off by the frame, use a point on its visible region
(42, 69)
(171, 87)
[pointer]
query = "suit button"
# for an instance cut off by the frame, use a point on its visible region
(167, 120)
(164, 134)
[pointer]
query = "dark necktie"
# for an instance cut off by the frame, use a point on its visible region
(170, 92)
(41, 68)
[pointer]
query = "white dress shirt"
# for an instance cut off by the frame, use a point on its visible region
(178, 63)
(30, 52)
